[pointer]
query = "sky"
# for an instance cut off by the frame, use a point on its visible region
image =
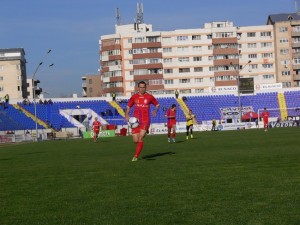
(72, 29)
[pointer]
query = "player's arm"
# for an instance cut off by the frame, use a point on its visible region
(154, 112)
(127, 112)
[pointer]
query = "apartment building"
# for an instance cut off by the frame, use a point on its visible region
(13, 73)
(287, 45)
(190, 60)
(91, 86)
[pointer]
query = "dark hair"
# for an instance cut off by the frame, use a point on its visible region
(173, 106)
(142, 82)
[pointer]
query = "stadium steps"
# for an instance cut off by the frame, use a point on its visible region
(282, 106)
(30, 115)
(117, 107)
(184, 107)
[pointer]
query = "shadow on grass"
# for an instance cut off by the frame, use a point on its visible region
(153, 156)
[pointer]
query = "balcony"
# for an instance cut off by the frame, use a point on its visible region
(146, 45)
(225, 51)
(223, 62)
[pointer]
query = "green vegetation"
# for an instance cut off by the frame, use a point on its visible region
(229, 177)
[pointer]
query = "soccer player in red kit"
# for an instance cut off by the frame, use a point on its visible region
(96, 127)
(171, 116)
(141, 101)
(265, 115)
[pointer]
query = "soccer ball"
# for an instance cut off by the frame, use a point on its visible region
(133, 122)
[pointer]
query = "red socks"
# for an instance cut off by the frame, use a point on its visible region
(138, 149)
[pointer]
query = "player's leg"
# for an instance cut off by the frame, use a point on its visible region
(187, 132)
(95, 135)
(140, 143)
(169, 132)
(174, 132)
(191, 130)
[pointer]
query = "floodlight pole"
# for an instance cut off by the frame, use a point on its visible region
(34, 89)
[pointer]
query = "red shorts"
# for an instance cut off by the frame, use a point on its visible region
(171, 124)
(139, 128)
(96, 131)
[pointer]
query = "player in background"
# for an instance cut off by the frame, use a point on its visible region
(96, 128)
(171, 124)
(189, 124)
(265, 115)
(141, 102)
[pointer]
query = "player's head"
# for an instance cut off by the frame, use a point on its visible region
(190, 111)
(96, 118)
(142, 87)
(265, 108)
(173, 106)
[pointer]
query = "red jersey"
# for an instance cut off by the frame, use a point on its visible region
(96, 125)
(171, 116)
(142, 107)
(265, 115)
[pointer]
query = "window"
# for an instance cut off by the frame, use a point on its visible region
(284, 51)
(198, 80)
(198, 69)
(169, 81)
(251, 45)
(201, 90)
(296, 61)
(182, 38)
(1, 89)
(268, 76)
(209, 36)
(19, 88)
(267, 55)
(196, 37)
(286, 84)
(212, 79)
(183, 59)
(18, 77)
(251, 34)
(90, 90)
(253, 66)
(252, 56)
(167, 49)
(139, 40)
(1, 78)
(155, 82)
(285, 62)
(296, 39)
(184, 81)
(90, 81)
(283, 40)
(182, 49)
(267, 66)
(18, 67)
(220, 25)
(1, 67)
(286, 73)
(283, 29)
(197, 59)
(266, 44)
(265, 34)
(167, 60)
(168, 70)
(210, 47)
(197, 48)
(184, 70)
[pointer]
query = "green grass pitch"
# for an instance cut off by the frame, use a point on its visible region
(229, 177)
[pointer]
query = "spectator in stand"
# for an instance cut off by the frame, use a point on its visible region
(176, 94)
